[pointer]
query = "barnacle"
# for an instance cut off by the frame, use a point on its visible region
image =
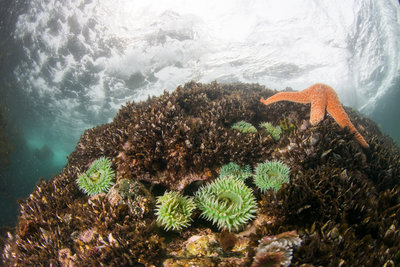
(174, 211)
(244, 127)
(227, 202)
(276, 250)
(271, 174)
(236, 171)
(98, 178)
(274, 131)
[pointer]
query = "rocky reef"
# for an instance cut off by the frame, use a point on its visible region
(340, 208)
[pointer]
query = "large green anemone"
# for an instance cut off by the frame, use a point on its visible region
(271, 174)
(244, 127)
(174, 211)
(98, 178)
(236, 171)
(227, 202)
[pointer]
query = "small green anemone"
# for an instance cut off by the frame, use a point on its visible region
(236, 171)
(98, 178)
(244, 127)
(227, 202)
(174, 211)
(274, 131)
(271, 174)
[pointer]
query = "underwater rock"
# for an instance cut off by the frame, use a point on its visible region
(342, 199)
(211, 249)
(131, 194)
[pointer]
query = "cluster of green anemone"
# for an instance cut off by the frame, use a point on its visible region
(227, 201)
(267, 175)
(246, 127)
(235, 170)
(274, 131)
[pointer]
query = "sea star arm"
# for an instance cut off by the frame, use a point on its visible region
(318, 106)
(310, 95)
(299, 97)
(335, 109)
(322, 97)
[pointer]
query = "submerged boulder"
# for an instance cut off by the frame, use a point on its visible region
(341, 204)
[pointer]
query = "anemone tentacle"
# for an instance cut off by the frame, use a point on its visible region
(227, 202)
(236, 171)
(174, 211)
(98, 178)
(271, 174)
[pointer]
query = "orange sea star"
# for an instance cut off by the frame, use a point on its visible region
(322, 97)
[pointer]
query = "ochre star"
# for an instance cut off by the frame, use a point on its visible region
(322, 97)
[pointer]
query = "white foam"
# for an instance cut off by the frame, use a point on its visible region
(113, 51)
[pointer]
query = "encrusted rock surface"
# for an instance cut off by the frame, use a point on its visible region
(343, 201)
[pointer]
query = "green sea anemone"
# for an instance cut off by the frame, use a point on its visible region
(236, 171)
(271, 174)
(98, 178)
(275, 132)
(244, 127)
(174, 211)
(227, 202)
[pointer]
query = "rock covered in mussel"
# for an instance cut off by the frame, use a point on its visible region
(341, 200)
